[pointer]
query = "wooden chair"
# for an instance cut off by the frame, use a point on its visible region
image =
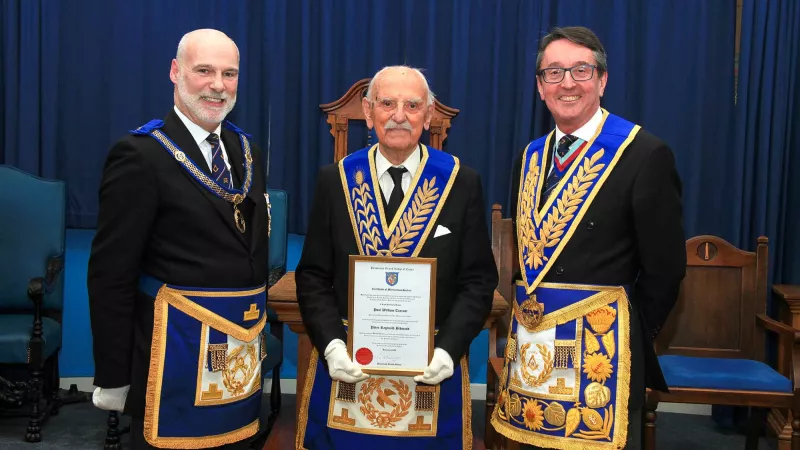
(348, 107)
(712, 346)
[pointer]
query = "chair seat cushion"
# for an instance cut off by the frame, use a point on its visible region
(722, 373)
(15, 335)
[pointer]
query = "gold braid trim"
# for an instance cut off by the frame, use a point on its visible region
(413, 219)
(216, 321)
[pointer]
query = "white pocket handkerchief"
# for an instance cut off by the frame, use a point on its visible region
(441, 231)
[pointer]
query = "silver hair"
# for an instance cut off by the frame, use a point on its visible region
(184, 42)
(371, 89)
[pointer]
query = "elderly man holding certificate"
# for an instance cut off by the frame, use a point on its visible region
(395, 281)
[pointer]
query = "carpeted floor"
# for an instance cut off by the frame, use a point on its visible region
(81, 426)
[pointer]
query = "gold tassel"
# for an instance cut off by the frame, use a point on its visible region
(565, 349)
(262, 344)
(218, 355)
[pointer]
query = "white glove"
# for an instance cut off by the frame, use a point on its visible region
(339, 364)
(440, 368)
(112, 399)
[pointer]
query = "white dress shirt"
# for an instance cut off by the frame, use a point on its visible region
(382, 166)
(200, 135)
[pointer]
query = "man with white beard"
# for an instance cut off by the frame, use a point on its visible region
(178, 266)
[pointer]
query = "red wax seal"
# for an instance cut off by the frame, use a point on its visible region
(363, 356)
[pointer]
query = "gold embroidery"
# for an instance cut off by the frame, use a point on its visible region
(590, 344)
(597, 395)
(597, 367)
(346, 392)
(601, 319)
(608, 342)
(425, 398)
(213, 392)
(600, 426)
(562, 212)
(413, 220)
(252, 313)
(511, 349)
(573, 420)
(236, 364)
(217, 354)
(368, 226)
(565, 350)
(555, 414)
(345, 418)
(532, 415)
(560, 388)
(419, 425)
(529, 314)
(531, 364)
(384, 419)
(262, 345)
(514, 405)
(528, 202)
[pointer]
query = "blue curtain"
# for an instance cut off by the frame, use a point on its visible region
(77, 75)
(765, 158)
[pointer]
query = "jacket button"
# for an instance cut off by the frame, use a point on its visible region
(590, 225)
(559, 270)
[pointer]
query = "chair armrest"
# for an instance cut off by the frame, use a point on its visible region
(789, 339)
(781, 329)
(39, 286)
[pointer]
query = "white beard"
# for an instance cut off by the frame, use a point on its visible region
(194, 103)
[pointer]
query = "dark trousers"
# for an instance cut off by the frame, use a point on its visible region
(634, 441)
(139, 443)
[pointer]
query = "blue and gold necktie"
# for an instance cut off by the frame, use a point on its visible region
(564, 156)
(219, 171)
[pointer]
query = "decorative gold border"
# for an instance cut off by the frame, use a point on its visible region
(375, 186)
(201, 365)
(623, 383)
(302, 421)
(531, 286)
(176, 298)
(153, 395)
(406, 371)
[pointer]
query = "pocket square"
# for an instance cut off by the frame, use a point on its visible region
(441, 231)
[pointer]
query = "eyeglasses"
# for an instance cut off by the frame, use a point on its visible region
(583, 72)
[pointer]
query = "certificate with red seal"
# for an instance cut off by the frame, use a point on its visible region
(391, 314)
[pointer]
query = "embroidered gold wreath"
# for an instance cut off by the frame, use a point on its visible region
(530, 364)
(368, 222)
(240, 363)
(562, 212)
(413, 220)
(400, 408)
(529, 314)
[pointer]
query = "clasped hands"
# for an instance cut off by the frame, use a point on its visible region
(342, 368)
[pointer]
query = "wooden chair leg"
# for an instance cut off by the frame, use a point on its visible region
(489, 434)
(34, 431)
(112, 432)
(754, 427)
(55, 398)
(650, 426)
(795, 428)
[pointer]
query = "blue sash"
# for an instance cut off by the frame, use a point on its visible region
(204, 385)
(407, 233)
(566, 379)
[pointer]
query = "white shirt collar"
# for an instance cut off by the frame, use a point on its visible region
(587, 131)
(411, 163)
(198, 133)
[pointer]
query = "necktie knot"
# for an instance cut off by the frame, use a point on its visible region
(213, 139)
(397, 174)
(564, 143)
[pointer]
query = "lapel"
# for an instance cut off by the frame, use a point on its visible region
(180, 135)
(235, 152)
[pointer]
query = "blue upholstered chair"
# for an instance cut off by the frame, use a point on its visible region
(32, 239)
(712, 347)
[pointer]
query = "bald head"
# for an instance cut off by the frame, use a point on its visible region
(398, 72)
(206, 38)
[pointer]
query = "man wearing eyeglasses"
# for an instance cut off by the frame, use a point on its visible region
(397, 198)
(597, 210)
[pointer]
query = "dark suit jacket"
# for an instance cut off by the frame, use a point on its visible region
(632, 234)
(156, 219)
(466, 273)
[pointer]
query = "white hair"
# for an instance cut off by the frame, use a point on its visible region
(371, 89)
(184, 42)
